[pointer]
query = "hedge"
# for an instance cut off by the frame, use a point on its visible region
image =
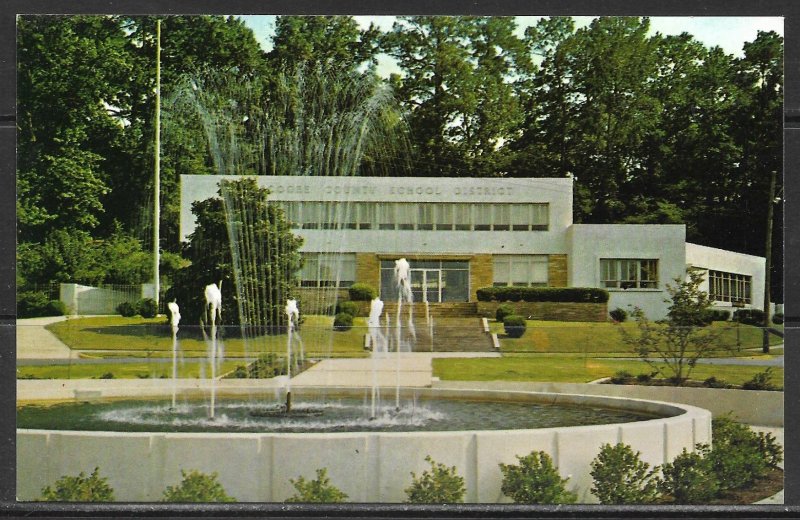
(362, 292)
(543, 294)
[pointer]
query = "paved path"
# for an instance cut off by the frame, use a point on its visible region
(36, 342)
(407, 369)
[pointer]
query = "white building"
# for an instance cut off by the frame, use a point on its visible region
(461, 234)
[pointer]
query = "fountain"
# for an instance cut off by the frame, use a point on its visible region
(141, 445)
(175, 319)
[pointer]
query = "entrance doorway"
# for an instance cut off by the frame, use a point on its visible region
(426, 285)
(434, 281)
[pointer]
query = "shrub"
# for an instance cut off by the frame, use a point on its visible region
(343, 321)
(736, 457)
(107, 375)
(319, 490)
(147, 308)
(621, 377)
(362, 292)
(126, 309)
(621, 477)
(690, 479)
(717, 315)
(502, 311)
(770, 449)
(713, 382)
(35, 304)
(644, 378)
(777, 318)
(619, 315)
(197, 487)
(535, 481)
(80, 489)
(514, 326)
(760, 381)
(350, 308)
(440, 485)
(543, 294)
(749, 316)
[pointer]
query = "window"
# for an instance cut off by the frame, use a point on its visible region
(406, 215)
(482, 217)
(326, 269)
(502, 217)
(462, 216)
(386, 217)
(729, 287)
(520, 270)
(366, 215)
(624, 273)
(425, 216)
(292, 212)
(444, 217)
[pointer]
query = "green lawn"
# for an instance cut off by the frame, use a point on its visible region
(120, 370)
(572, 369)
(597, 338)
(136, 337)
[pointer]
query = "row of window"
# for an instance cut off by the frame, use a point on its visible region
(729, 287)
(330, 269)
(417, 216)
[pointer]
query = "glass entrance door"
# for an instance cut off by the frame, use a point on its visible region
(426, 285)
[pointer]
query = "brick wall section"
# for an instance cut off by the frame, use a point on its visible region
(557, 270)
(368, 269)
(553, 311)
(481, 274)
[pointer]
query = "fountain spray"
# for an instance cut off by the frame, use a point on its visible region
(293, 316)
(175, 318)
(213, 296)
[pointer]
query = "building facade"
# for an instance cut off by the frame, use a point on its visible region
(461, 234)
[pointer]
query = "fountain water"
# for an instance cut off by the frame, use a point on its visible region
(402, 277)
(213, 296)
(293, 316)
(175, 318)
(378, 344)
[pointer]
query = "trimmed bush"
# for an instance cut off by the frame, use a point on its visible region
(777, 318)
(502, 311)
(514, 326)
(362, 292)
(690, 478)
(350, 308)
(713, 382)
(621, 377)
(197, 487)
(126, 309)
(343, 321)
(317, 491)
(147, 308)
(93, 488)
(619, 315)
(621, 477)
(717, 315)
(440, 485)
(543, 294)
(35, 304)
(535, 481)
(749, 316)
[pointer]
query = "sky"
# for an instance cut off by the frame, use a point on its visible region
(727, 32)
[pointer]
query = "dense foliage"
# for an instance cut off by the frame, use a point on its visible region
(319, 490)
(197, 487)
(362, 292)
(440, 485)
(535, 481)
(93, 488)
(514, 325)
(653, 128)
(543, 294)
(690, 478)
(621, 477)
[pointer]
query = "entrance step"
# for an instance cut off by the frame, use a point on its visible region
(440, 335)
(435, 310)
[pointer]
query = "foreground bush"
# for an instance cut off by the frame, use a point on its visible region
(738, 455)
(319, 490)
(690, 478)
(535, 481)
(760, 381)
(440, 485)
(80, 489)
(343, 321)
(126, 309)
(197, 487)
(362, 292)
(542, 294)
(621, 477)
(35, 304)
(514, 326)
(777, 318)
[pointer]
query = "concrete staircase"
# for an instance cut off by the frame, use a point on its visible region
(436, 310)
(442, 335)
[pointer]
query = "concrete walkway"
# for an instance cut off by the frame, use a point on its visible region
(407, 369)
(34, 341)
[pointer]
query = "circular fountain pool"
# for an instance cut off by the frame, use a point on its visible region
(333, 415)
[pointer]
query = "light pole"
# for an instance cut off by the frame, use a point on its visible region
(157, 174)
(768, 266)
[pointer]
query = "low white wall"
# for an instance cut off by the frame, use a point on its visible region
(755, 407)
(87, 300)
(369, 467)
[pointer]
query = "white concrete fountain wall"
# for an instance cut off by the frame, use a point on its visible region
(369, 467)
